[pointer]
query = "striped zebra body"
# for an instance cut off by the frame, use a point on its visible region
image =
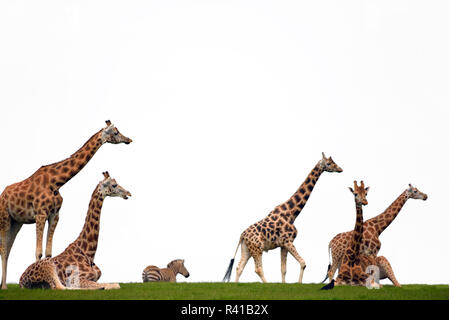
(155, 274)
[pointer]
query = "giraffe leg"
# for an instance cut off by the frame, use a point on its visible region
(86, 284)
(4, 258)
(284, 252)
(291, 248)
(245, 255)
(258, 262)
(41, 274)
(13, 230)
(87, 278)
(336, 262)
(6, 245)
(386, 271)
(52, 222)
(52, 276)
(96, 272)
(5, 222)
(40, 225)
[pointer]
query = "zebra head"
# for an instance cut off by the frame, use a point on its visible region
(183, 270)
(178, 267)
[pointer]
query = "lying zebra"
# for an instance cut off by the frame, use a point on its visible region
(155, 274)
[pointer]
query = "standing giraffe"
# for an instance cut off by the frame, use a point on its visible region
(277, 229)
(372, 230)
(37, 198)
(76, 262)
(355, 262)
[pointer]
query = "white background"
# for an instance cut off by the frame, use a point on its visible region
(230, 104)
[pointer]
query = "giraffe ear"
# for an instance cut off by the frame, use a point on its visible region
(366, 189)
(350, 189)
(322, 153)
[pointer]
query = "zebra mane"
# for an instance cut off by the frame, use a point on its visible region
(175, 263)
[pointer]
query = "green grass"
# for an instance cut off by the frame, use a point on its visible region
(233, 291)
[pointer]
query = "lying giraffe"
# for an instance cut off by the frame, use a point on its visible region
(37, 198)
(371, 243)
(76, 262)
(277, 229)
(354, 262)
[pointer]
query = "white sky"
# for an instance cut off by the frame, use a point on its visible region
(230, 104)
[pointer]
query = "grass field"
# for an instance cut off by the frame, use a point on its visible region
(232, 291)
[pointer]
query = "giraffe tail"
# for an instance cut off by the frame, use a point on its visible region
(228, 273)
(329, 265)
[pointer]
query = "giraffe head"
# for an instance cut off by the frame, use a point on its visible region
(414, 193)
(110, 134)
(178, 264)
(327, 164)
(110, 188)
(360, 193)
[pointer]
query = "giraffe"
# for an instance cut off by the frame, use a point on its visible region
(76, 262)
(37, 198)
(277, 229)
(355, 262)
(372, 230)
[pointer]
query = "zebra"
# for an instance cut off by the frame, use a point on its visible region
(155, 274)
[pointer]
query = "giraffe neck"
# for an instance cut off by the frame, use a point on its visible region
(358, 232)
(61, 172)
(87, 241)
(383, 220)
(298, 200)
